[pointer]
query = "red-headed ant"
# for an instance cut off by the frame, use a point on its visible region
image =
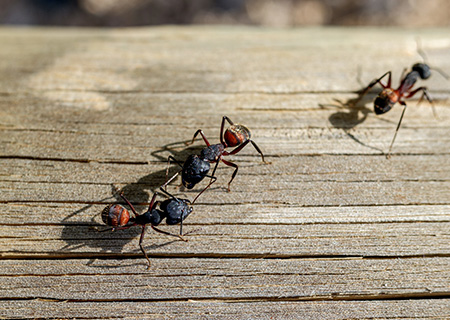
(196, 167)
(174, 210)
(389, 96)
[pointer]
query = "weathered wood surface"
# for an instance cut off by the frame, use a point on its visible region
(330, 229)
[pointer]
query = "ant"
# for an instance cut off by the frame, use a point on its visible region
(174, 210)
(196, 167)
(389, 96)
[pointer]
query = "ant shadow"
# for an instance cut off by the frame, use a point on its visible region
(353, 112)
(90, 234)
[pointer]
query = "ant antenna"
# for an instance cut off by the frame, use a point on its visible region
(420, 51)
(424, 56)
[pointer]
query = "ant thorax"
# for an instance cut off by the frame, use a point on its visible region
(212, 153)
(236, 135)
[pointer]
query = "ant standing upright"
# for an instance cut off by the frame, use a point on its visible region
(389, 96)
(196, 167)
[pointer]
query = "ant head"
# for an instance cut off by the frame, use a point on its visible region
(176, 210)
(115, 215)
(384, 102)
(236, 135)
(422, 69)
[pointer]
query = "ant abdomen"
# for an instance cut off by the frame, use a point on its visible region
(176, 209)
(115, 215)
(236, 135)
(194, 170)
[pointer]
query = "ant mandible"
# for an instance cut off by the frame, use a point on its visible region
(388, 97)
(174, 210)
(196, 167)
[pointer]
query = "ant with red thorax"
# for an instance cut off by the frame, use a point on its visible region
(389, 96)
(196, 167)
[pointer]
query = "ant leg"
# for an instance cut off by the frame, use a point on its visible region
(111, 229)
(234, 151)
(259, 151)
(152, 202)
(213, 179)
(363, 92)
(424, 94)
(242, 146)
(195, 136)
(222, 126)
(167, 182)
(129, 203)
(388, 155)
(169, 234)
(231, 164)
(142, 247)
(168, 166)
(215, 168)
(174, 160)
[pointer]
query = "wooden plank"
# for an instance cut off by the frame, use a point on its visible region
(225, 279)
(323, 181)
(287, 133)
(329, 230)
(194, 309)
(53, 213)
(367, 240)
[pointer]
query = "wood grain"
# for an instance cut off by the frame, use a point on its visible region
(330, 229)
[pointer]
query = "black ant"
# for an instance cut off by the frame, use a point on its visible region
(389, 96)
(174, 210)
(196, 167)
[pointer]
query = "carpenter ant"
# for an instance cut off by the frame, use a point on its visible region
(196, 167)
(174, 210)
(388, 97)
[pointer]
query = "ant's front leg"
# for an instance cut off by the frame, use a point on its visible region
(363, 92)
(222, 126)
(195, 136)
(259, 151)
(129, 204)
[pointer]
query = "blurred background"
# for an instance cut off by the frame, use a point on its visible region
(275, 13)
